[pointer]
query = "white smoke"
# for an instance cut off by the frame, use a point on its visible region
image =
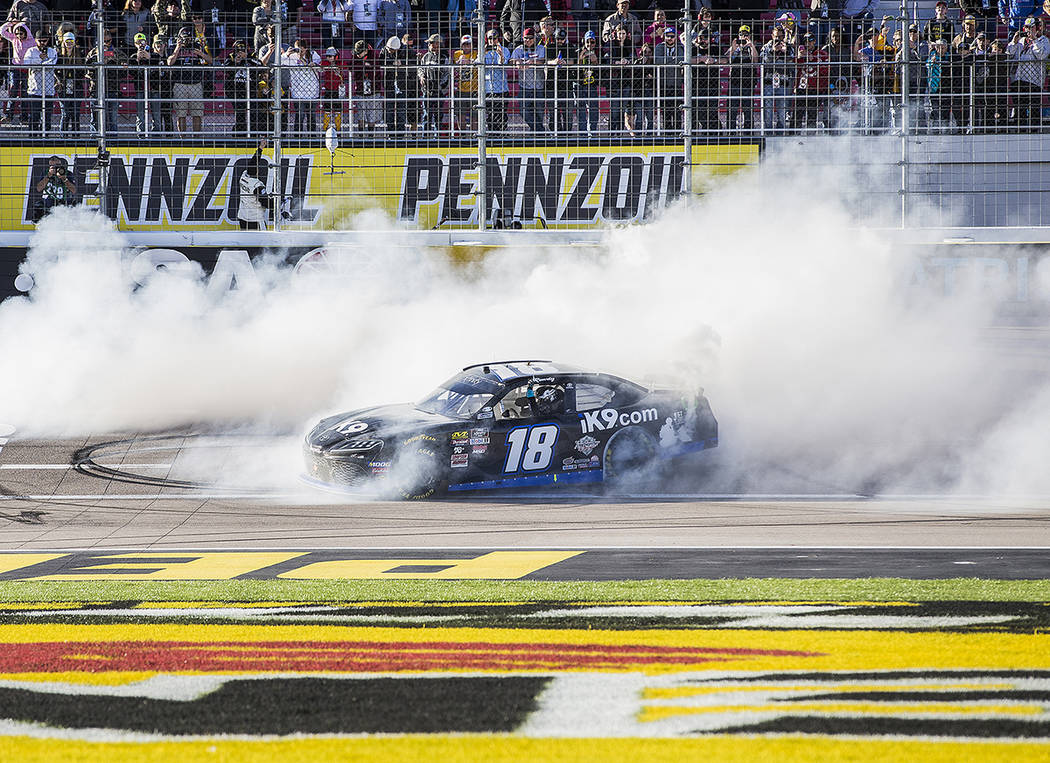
(820, 358)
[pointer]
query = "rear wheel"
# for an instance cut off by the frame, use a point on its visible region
(630, 459)
(417, 470)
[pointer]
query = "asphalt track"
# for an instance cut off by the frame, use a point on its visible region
(189, 492)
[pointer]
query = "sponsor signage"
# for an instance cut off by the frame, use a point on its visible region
(174, 188)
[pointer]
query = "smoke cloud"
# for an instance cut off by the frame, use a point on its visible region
(828, 368)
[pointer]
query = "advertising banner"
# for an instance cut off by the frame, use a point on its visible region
(174, 188)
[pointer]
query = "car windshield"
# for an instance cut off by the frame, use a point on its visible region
(455, 403)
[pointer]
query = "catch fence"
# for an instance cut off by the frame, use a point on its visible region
(490, 121)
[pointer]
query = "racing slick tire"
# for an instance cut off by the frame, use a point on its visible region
(417, 471)
(630, 458)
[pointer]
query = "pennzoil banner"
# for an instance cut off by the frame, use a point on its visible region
(173, 188)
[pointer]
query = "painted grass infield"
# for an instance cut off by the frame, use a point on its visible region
(746, 589)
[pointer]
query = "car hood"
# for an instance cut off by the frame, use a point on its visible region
(385, 423)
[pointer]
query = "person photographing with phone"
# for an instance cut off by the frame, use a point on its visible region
(1029, 48)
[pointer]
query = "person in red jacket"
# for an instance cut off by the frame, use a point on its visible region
(365, 81)
(331, 78)
(812, 86)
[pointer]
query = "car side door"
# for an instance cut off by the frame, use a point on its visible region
(523, 441)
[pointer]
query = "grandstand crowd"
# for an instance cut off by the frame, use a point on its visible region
(562, 67)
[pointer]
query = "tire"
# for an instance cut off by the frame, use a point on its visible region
(417, 470)
(630, 459)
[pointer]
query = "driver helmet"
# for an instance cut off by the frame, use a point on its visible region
(549, 400)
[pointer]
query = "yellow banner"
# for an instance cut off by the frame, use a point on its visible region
(174, 188)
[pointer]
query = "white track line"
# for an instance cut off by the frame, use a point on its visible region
(150, 497)
(18, 467)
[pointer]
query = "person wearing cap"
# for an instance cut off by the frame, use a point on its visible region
(433, 82)
(940, 26)
(141, 65)
(464, 95)
(588, 77)
(333, 17)
(69, 83)
(242, 68)
(918, 54)
(789, 24)
(497, 61)
(668, 56)
(40, 89)
(188, 61)
(811, 86)
(519, 15)
(162, 111)
(623, 18)
(366, 86)
(707, 73)
(393, 64)
(1013, 13)
(332, 80)
(742, 55)
(365, 17)
(560, 55)
(1029, 48)
(778, 63)
(395, 18)
(984, 16)
(530, 60)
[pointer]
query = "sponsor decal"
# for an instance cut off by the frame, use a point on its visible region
(479, 450)
(458, 449)
(459, 460)
(586, 444)
(485, 413)
(460, 435)
(571, 464)
(610, 418)
(479, 440)
(481, 432)
(379, 467)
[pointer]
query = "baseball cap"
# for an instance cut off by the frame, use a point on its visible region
(941, 2)
(465, 38)
(331, 52)
(69, 36)
(744, 28)
(590, 36)
(139, 36)
(434, 38)
(1029, 21)
(529, 32)
(394, 43)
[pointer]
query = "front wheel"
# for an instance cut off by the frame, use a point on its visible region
(417, 470)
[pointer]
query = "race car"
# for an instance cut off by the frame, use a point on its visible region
(509, 424)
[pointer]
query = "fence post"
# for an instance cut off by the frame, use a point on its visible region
(100, 105)
(278, 111)
(481, 203)
(905, 113)
(687, 94)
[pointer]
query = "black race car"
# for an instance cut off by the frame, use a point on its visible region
(509, 424)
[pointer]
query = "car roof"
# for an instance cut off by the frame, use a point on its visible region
(507, 372)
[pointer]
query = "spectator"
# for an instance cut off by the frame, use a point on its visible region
(262, 18)
(394, 68)
(41, 61)
(364, 78)
(741, 57)
(56, 188)
(33, 12)
(939, 84)
(641, 112)
(984, 15)
(113, 62)
(778, 59)
(1013, 13)
(856, 12)
(530, 60)
(412, 55)
(205, 37)
(22, 41)
(434, 81)
(997, 86)
(239, 89)
(70, 83)
(460, 12)
(940, 26)
(333, 17)
(188, 60)
(560, 56)
(588, 76)
(519, 15)
(811, 86)
(1030, 49)
(872, 60)
(305, 87)
(161, 88)
(134, 20)
(331, 82)
(623, 18)
(654, 33)
(496, 58)
(395, 18)
(141, 62)
(668, 57)
(466, 84)
(918, 54)
(366, 20)
(786, 21)
(167, 16)
(619, 58)
(840, 72)
(707, 78)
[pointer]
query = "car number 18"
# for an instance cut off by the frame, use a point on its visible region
(530, 449)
